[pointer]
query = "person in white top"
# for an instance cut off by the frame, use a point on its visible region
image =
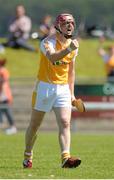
(19, 29)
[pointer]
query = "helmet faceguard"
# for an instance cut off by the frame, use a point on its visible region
(64, 19)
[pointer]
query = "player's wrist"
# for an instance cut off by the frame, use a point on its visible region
(73, 98)
(69, 49)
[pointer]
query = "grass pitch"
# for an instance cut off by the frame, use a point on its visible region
(96, 152)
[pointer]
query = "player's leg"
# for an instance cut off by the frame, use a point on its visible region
(63, 116)
(42, 100)
(30, 136)
(36, 119)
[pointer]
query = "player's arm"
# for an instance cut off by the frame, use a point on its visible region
(71, 78)
(53, 55)
(78, 103)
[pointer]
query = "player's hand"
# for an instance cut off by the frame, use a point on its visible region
(78, 103)
(73, 45)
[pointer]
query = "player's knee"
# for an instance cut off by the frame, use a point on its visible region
(65, 123)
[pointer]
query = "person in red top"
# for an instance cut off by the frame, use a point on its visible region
(6, 97)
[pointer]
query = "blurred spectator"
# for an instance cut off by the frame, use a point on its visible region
(2, 49)
(46, 27)
(108, 58)
(6, 98)
(95, 31)
(19, 29)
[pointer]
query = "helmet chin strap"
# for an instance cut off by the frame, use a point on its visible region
(65, 35)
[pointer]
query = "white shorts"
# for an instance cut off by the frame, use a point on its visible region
(46, 96)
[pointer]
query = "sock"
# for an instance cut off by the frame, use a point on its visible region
(65, 155)
(28, 155)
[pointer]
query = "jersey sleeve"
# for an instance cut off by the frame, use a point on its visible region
(47, 45)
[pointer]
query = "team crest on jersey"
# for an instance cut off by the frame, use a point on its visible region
(60, 63)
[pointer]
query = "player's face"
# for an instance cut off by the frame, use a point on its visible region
(68, 26)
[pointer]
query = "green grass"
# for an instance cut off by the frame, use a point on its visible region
(96, 152)
(22, 63)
